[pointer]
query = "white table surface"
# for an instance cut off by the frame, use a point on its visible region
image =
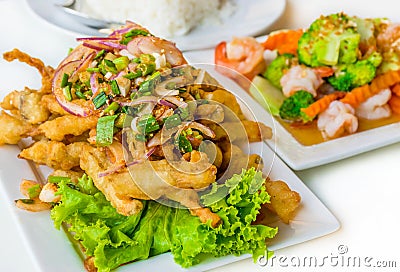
(362, 191)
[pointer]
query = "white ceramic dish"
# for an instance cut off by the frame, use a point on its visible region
(300, 157)
(51, 249)
(251, 18)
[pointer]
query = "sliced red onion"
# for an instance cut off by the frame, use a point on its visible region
(68, 106)
(133, 162)
(94, 83)
(84, 64)
(97, 46)
(119, 74)
(113, 45)
(202, 128)
(176, 101)
(112, 170)
(150, 152)
(166, 103)
(97, 39)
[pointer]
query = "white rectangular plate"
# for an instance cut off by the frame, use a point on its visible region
(296, 155)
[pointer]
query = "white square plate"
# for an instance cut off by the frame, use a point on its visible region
(293, 153)
(52, 250)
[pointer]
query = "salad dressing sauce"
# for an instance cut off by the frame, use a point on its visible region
(310, 135)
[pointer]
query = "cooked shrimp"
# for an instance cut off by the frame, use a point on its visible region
(244, 55)
(150, 45)
(337, 120)
(389, 38)
(375, 107)
(48, 193)
(300, 77)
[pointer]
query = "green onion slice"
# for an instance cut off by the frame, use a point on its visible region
(105, 130)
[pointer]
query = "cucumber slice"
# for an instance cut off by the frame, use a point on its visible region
(270, 97)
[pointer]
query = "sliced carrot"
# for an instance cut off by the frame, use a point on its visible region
(394, 103)
(396, 89)
(379, 83)
(324, 71)
(285, 41)
(322, 104)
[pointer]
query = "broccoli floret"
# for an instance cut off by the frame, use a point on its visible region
(330, 40)
(291, 106)
(276, 69)
(354, 75)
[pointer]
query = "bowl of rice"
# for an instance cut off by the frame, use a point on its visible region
(165, 18)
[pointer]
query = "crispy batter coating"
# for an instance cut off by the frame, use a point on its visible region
(73, 175)
(58, 128)
(284, 201)
(32, 108)
(226, 98)
(11, 101)
(12, 129)
(54, 154)
(45, 71)
(49, 101)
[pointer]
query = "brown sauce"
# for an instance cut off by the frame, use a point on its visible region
(310, 135)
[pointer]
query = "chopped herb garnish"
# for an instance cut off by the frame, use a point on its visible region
(172, 121)
(100, 100)
(183, 112)
(120, 121)
(64, 80)
(93, 70)
(112, 108)
(105, 130)
(80, 95)
(149, 85)
(121, 63)
(134, 75)
(110, 66)
(67, 93)
(34, 191)
(100, 54)
(127, 37)
(57, 179)
(147, 124)
(115, 87)
(183, 144)
(147, 68)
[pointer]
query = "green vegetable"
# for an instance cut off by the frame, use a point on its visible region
(354, 75)
(100, 100)
(57, 179)
(329, 40)
(276, 69)
(183, 144)
(121, 63)
(127, 37)
(134, 75)
(34, 191)
(114, 239)
(147, 123)
(270, 97)
(64, 80)
(105, 130)
(172, 121)
(114, 87)
(112, 108)
(67, 92)
(291, 106)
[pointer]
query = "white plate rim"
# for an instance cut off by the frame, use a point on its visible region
(259, 15)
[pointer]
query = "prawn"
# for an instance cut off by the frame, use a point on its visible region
(337, 120)
(300, 77)
(243, 55)
(376, 106)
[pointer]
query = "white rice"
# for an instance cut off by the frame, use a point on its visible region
(165, 18)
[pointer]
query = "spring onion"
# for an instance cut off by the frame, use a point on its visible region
(105, 130)
(134, 75)
(147, 124)
(147, 68)
(120, 121)
(80, 95)
(114, 87)
(121, 63)
(67, 93)
(126, 38)
(183, 144)
(64, 80)
(113, 107)
(172, 121)
(100, 99)
(100, 54)
(93, 70)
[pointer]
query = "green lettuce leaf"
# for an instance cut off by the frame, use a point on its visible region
(113, 239)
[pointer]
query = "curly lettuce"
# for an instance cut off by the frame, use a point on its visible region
(113, 239)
